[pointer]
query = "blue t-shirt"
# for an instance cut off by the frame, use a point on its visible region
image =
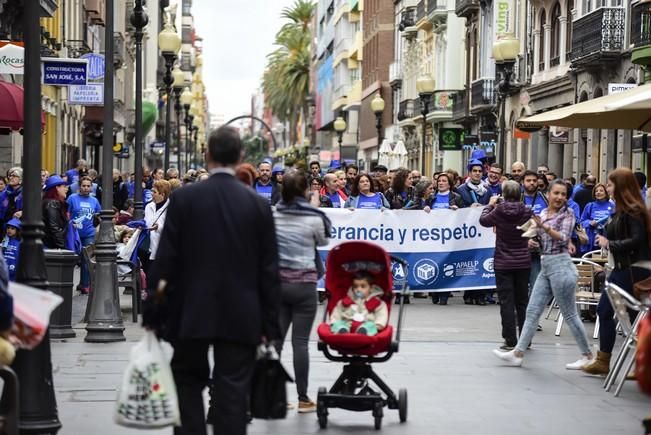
(442, 200)
(82, 209)
(147, 196)
(495, 189)
(11, 251)
(369, 202)
(72, 175)
(536, 203)
(336, 199)
(598, 211)
(264, 190)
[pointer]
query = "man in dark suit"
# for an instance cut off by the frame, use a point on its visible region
(216, 283)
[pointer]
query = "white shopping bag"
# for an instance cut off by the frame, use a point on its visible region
(32, 309)
(147, 398)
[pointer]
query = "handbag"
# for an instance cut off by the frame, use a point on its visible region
(581, 234)
(642, 289)
(268, 389)
(147, 398)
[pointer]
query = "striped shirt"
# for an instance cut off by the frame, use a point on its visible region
(562, 221)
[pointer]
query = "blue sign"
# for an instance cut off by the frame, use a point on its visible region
(64, 72)
(96, 65)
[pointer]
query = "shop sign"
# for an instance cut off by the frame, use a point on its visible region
(12, 59)
(86, 95)
(450, 139)
(64, 72)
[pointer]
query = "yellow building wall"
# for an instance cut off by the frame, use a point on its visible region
(49, 137)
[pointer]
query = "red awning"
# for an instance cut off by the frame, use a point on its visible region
(11, 106)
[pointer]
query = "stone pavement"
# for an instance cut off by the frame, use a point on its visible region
(456, 386)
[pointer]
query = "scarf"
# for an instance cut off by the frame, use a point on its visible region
(479, 188)
(300, 207)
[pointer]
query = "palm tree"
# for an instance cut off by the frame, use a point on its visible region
(286, 81)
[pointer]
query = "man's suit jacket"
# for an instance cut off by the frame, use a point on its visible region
(219, 255)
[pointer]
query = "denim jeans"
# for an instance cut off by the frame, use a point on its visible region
(298, 309)
(557, 277)
(84, 280)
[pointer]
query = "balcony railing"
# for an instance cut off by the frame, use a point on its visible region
(460, 106)
(598, 36)
(405, 110)
(421, 9)
(465, 8)
(482, 94)
(641, 25)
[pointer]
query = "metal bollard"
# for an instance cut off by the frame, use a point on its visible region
(60, 264)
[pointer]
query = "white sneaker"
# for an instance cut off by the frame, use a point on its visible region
(508, 357)
(578, 364)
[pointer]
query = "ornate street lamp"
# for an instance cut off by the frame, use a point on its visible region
(505, 52)
(425, 86)
(340, 128)
(169, 43)
(186, 101)
(104, 315)
(377, 106)
(179, 80)
(37, 402)
(139, 20)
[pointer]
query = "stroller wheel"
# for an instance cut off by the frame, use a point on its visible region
(321, 410)
(377, 414)
(402, 404)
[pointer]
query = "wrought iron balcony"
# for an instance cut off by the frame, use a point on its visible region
(460, 108)
(407, 18)
(466, 8)
(641, 25)
(482, 95)
(405, 110)
(598, 36)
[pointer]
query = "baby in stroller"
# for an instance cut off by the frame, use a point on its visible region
(362, 311)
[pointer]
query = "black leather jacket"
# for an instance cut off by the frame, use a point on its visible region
(627, 240)
(56, 224)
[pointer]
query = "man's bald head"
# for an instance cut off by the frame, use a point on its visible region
(330, 181)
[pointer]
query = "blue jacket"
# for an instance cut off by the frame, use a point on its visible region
(538, 203)
(353, 201)
(598, 211)
(11, 201)
(11, 251)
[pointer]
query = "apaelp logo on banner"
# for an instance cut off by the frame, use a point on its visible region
(445, 249)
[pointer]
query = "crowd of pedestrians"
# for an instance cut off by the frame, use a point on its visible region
(265, 223)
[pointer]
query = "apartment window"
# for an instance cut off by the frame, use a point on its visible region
(541, 48)
(555, 35)
(587, 6)
(568, 29)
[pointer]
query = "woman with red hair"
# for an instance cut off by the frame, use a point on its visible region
(246, 173)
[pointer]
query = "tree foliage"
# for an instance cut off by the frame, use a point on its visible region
(286, 81)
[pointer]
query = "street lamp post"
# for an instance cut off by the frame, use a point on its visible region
(377, 105)
(505, 52)
(37, 407)
(105, 318)
(139, 20)
(179, 79)
(425, 86)
(340, 128)
(186, 101)
(169, 43)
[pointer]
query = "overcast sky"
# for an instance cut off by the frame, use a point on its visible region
(237, 35)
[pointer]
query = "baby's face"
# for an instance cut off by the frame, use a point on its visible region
(361, 288)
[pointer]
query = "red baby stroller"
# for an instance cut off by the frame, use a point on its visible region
(352, 390)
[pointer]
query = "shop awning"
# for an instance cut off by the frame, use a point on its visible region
(628, 110)
(11, 106)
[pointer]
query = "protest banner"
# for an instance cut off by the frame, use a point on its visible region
(446, 249)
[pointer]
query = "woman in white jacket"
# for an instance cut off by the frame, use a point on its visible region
(155, 213)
